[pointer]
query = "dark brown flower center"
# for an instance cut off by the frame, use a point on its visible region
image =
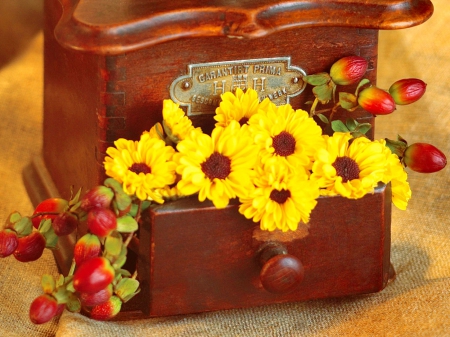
(140, 168)
(280, 196)
(284, 144)
(216, 166)
(243, 121)
(346, 168)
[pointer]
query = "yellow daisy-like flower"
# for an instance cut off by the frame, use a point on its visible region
(351, 169)
(218, 167)
(176, 124)
(281, 198)
(141, 166)
(155, 132)
(239, 107)
(289, 135)
(397, 176)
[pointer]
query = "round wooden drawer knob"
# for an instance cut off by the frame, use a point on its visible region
(280, 272)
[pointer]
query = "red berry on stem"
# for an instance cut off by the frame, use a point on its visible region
(97, 197)
(65, 223)
(30, 247)
(424, 158)
(348, 70)
(376, 101)
(52, 205)
(93, 275)
(90, 300)
(107, 310)
(101, 221)
(407, 91)
(8, 242)
(43, 309)
(87, 247)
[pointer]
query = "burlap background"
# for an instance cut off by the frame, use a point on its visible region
(416, 304)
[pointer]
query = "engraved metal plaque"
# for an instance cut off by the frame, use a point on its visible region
(201, 88)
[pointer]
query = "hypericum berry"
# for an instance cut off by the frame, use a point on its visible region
(52, 205)
(424, 158)
(43, 309)
(348, 70)
(87, 247)
(407, 91)
(97, 197)
(65, 223)
(376, 101)
(93, 275)
(101, 221)
(8, 242)
(100, 297)
(30, 247)
(107, 310)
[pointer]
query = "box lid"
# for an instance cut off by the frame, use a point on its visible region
(114, 27)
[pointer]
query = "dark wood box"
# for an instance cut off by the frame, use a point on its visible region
(108, 65)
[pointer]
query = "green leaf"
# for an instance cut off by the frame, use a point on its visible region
(73, 304)
(51, 239)
(113, 244)
(127, 224)
(323, 118)
(14, 217)
(363, 128)
(361, 83)
(317, 79)
(59, 281)
(323, 93)
(61, 295)
(127, 288)
(348, 101)
(48, 283)
(123, 272)
(397, 147)
(23, 227)
(75, 199)
(339, 126)
(351, 124)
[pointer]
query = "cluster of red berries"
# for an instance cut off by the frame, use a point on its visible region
(96, 282)
(419, 157)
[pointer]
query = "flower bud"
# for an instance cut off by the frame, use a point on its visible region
(49, 209)
(87, 247)
(97, 197)
(376, 101)
(101, 221)
(30, 247)
(424, 158)
(407, 91)
(90, 300)
(65, 223)
(107, 310)
(8, 242)
(43, 309)
(93, 275)
(348, 70)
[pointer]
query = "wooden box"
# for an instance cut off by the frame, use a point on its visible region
(108, 65)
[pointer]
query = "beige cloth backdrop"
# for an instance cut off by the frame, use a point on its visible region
(416, 304)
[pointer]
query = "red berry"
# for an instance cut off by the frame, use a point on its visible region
(93, 275)
(97, 197)
(65, 223)
(107, 310)
(90, 300)
(8, 242)
(376, 101)
(424, 158)
(407, 91)
(30, 247)
(52, 205)
(43, 309)
(348, 70)
(101, 221)
(87, 247)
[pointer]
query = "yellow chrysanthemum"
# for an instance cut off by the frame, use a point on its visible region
(289, 135)
(351, 169)
(397, 176)
(218, 167)
(176, 124)
(239, 107)
(281, 198)
(155, 132)
(141, 166)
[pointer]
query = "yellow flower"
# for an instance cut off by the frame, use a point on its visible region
(397, 176)
(141, 166)
(289, 135)
(350, 169)
(281, 198)
(176, 124)
(239, 107)
(218, 167)
(155, 132)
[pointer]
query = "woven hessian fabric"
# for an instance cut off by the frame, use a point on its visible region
(416, 304)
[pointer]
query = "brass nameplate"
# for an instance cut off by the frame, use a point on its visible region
(200, 90)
